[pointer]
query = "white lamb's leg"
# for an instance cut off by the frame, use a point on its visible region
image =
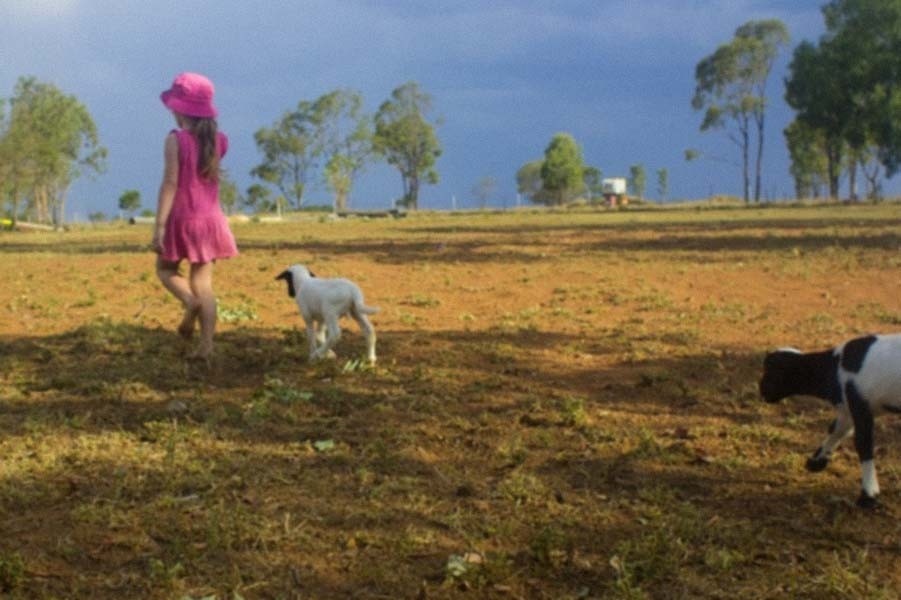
(841, 428)
(369, 333)
(311, 339)
(333, 334)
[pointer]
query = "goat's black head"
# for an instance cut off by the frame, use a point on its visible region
(782, 374)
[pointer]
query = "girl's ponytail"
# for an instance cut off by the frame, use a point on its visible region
(208, 162)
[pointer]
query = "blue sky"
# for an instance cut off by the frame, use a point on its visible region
(505, 76)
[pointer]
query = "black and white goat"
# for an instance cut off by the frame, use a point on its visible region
(861, 378)
(322, 302)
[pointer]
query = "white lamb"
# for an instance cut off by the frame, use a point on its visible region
(322, 303)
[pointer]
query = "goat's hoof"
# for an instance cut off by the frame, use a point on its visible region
(815, 465)
(867, 502)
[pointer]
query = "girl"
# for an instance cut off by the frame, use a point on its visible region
(189, 222)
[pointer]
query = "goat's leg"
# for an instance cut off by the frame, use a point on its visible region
(863, 442)
(839, 429)
(369, 333)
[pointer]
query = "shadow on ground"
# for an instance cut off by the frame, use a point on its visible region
(462, 440)
(125, 374)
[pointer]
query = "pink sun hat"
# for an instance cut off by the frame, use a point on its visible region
(191, 94)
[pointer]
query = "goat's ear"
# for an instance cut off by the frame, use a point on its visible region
(289, 278)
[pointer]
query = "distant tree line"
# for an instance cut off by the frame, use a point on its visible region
(331, 136)
(47, 141)
(731, 90)
(563, 176)
(845, 89)
(560, 176)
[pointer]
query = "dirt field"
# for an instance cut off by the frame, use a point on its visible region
(565, 407)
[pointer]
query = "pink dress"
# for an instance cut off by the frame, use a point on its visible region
(196, 229)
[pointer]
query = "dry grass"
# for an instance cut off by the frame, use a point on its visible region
(565, 407)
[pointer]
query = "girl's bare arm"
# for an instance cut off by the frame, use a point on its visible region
(167, 189)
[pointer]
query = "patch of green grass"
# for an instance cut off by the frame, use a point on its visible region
(551, 546)
(654, 555)
(236, 314)
(409, 318)
(512, 451)
(731, 312)
(356, 365)
(521, 487)
(848, 574)
(653, 302)
(572, 412)
(12, 572)
(527, 314)
(879, 313)
(277, 390)
(824, 324)
(163, 575)
(91, 299)
(672, 537)
(681, 338)
(421, 301)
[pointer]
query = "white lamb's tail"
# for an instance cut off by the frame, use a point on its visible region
(366, 310)
(360, 308)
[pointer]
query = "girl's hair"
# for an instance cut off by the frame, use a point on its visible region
(204, 129)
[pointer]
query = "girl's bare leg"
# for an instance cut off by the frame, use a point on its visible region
(202, 289)
(181, 289)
